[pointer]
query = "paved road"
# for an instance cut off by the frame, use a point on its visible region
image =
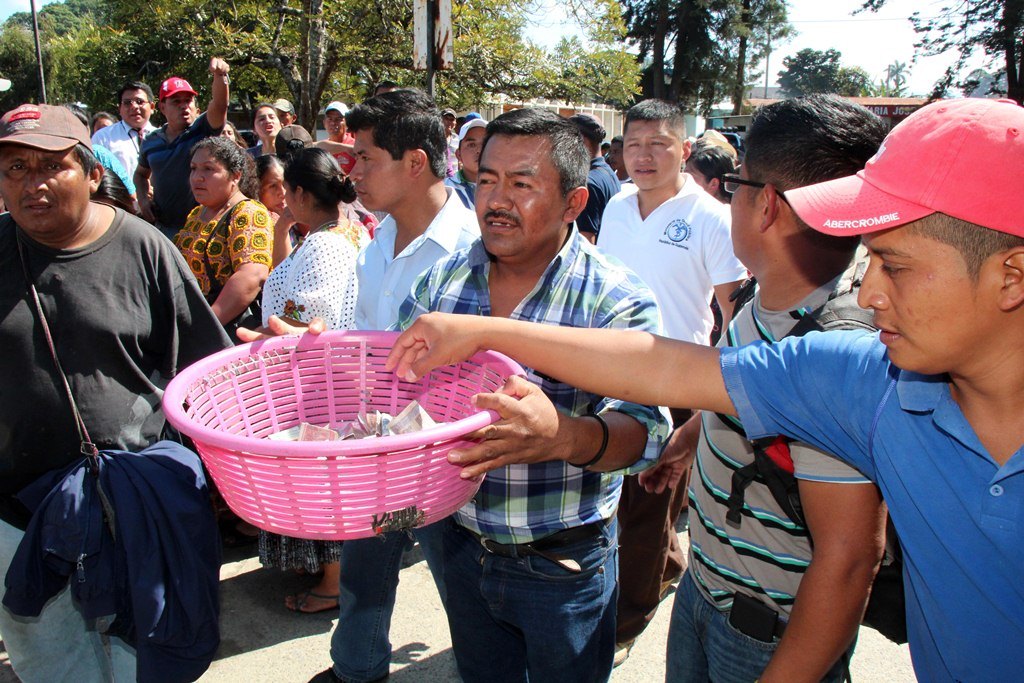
(263, 642)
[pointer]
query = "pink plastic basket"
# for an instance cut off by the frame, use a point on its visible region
(335, 490)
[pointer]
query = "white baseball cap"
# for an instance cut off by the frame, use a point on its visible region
(337, 106)
(470, 125)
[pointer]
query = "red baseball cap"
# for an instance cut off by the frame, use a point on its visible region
(43, 126)
(957, 157)
(173, 86)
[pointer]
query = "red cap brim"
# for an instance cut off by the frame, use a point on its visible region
(852, 206)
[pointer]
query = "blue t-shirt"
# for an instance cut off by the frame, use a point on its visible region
(602, 185)
(959, 515)
(169, 163)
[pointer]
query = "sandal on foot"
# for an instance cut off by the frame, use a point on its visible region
(301, 599)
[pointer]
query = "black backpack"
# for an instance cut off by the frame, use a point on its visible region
(773, 464)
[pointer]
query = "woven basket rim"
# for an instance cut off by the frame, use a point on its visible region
(179, 386)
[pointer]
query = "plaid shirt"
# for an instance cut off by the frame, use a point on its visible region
(580, 288)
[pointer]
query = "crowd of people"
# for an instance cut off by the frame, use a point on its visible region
(785, 351)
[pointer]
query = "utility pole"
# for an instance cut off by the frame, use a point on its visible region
(431, 46)
(767, 60)
(432, 39)
(39, 53)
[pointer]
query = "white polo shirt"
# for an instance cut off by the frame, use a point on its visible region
(385, 280)
(682, 250)
(123, 142)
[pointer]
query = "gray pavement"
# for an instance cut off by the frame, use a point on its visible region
(264, 642)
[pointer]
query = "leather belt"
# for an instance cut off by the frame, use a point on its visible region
(546, 547)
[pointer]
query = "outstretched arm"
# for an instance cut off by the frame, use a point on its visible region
(629, 365)
(217, 112)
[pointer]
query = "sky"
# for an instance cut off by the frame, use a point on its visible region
(869, 40)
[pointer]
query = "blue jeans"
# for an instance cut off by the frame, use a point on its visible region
(528, 619)
(704, 646)
(360, 647)
(60, 645)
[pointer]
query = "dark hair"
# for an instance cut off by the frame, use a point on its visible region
(266, 162)
(317, 172)
(384, 84)
(234, 159)
(403, 120)
(712, 162)
(102, 115)
(807, 140)
(568, 154)
(617, 138)
(86, 159)
(590, 128)
(134, 85)
(974, 242)
(658, 110)
(112, 192)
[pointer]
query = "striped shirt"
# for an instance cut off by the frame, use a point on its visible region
(580, 288)
(464, 188)
(766, 557)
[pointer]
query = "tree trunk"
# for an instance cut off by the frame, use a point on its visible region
(1012, 12)
(739, 88)
(312, 59)
(658, 51)
(682, 60)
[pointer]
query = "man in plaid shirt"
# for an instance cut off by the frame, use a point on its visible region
(531, 562)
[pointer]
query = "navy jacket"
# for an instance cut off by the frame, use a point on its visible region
(158, 572)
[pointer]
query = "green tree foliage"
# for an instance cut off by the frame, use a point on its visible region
(816, 71)
(994, 28)
(597, 70)
(17, 64)
(698, 52)
(306, 50)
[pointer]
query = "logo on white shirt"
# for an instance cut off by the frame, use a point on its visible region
(678, 230)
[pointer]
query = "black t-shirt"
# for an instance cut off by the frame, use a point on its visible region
(126, 315)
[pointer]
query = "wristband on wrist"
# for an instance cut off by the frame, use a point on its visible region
(604, 441)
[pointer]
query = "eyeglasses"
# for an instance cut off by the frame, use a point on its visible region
(138, 101)
(731, 182)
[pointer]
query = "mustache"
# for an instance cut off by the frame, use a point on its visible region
(503, 216)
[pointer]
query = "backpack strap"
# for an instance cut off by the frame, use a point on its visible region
(773, 466)
(773, 463)
(841, 310)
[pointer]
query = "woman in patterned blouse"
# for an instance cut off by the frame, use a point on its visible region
(317, 279)
(227, 240)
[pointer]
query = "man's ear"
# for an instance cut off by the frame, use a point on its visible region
(417, 162)
(771, 205)
(95, 177)
(575, 202)
(687, 148)
(1011, 273)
